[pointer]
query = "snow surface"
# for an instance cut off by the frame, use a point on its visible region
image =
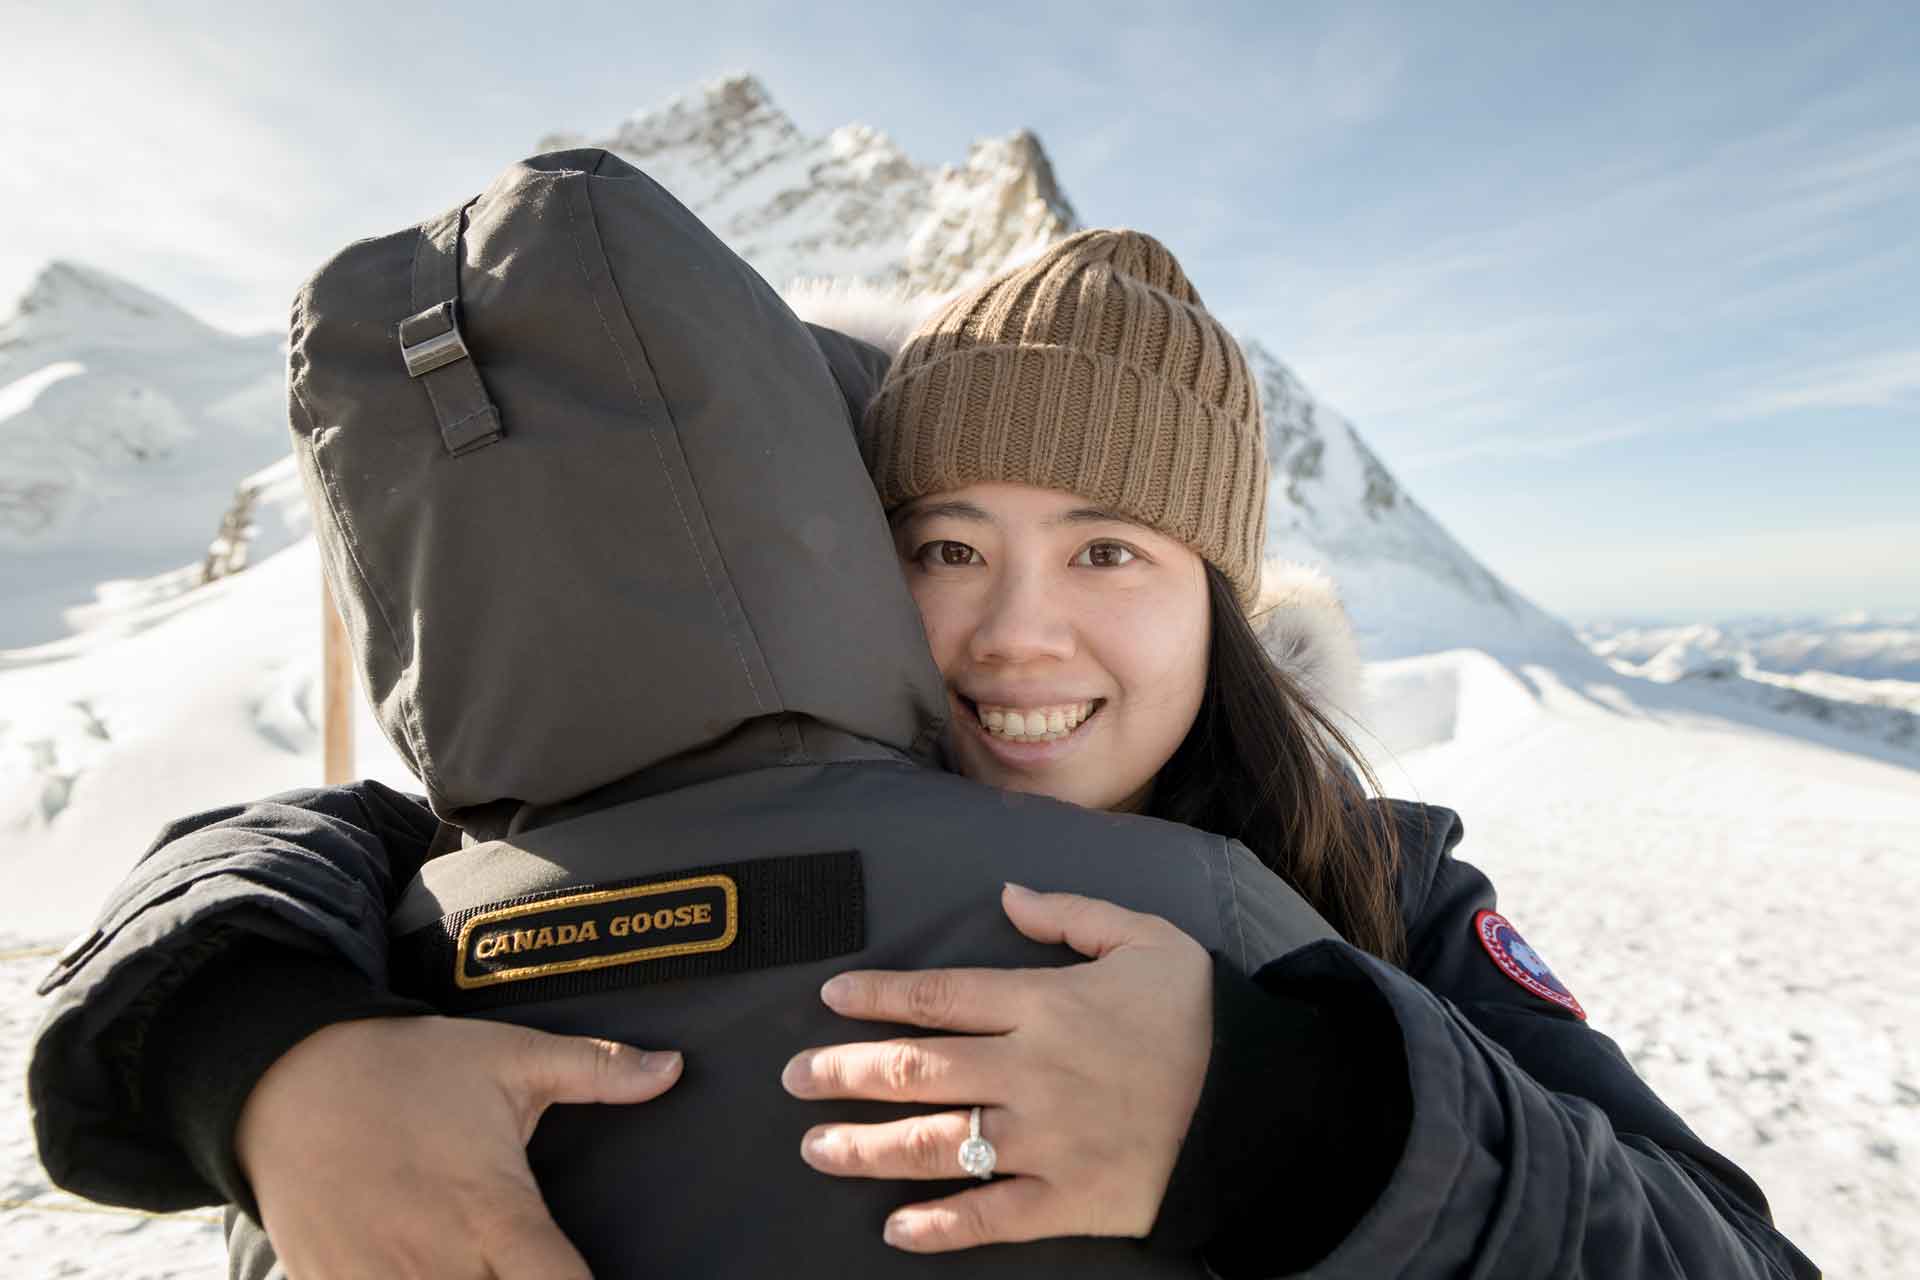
(1729, 890)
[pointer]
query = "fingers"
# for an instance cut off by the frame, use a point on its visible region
(1091, 926)
(583, 1069)
(917, 1147)
(1001, 1212)
(977, 1000)
(943, 1069)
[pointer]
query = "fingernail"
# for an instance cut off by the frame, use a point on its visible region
(836, 988)
(797, 1075)
(660, 1061)
(816, 1147)
(1019, 890)
(895, 1232)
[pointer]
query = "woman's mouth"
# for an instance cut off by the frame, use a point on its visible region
(1032, 724)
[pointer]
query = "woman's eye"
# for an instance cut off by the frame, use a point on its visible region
(1104, 555)
(946, 553)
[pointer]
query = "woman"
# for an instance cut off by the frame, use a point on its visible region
(1073, 462)
(1072, 455)
(1064, 550)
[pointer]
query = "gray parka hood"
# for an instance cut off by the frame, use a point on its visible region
(607, 509)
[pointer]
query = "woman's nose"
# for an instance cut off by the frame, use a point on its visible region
(1023, 620)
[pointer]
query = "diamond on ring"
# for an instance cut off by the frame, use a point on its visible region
(976, 1153)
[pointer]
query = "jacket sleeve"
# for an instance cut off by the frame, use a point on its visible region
(310, 871)
(1533, 1149)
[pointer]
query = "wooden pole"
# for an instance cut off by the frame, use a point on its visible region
(336, 693)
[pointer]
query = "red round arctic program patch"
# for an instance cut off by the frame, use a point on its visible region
(1521, 962)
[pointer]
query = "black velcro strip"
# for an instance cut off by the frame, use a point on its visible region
(727, 918)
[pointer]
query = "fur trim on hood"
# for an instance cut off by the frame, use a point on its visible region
(883, 316)
(1299, 618)
(1304, 626)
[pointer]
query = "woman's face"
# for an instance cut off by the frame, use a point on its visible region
(1073, 641)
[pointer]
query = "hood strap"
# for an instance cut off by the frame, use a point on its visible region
(433, 347)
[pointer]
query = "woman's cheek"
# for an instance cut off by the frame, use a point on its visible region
(1163, 645)
(1166, 660)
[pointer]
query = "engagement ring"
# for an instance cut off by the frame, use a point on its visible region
(976, 1153)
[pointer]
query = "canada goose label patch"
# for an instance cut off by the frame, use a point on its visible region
(1520, 962)
(596, 929)
(699, 922)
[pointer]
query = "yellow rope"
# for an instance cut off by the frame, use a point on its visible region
(56, 1207)
(28, 953)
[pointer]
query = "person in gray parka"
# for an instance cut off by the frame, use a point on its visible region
(680, 689)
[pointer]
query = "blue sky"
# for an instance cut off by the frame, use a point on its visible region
(1626, 295)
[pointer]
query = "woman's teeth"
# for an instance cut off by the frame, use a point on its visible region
(1033, 724)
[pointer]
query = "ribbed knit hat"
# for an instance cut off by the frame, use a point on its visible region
(1094, 369)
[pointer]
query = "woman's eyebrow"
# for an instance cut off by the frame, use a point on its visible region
(1094, 515)
(950, 510)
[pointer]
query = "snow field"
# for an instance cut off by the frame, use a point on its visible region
(1733, 905)
(197, 701)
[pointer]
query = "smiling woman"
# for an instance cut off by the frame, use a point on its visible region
(1073, 640)
(1072, 458)
(1073, 461)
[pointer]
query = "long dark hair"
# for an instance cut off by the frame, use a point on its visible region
(1266, 766)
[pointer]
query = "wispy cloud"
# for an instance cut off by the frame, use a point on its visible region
(1653, 295)
(1887, 380)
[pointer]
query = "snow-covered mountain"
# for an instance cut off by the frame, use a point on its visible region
(1856, 672)
(1861, 645)
(134, 421)
(125, 424)
(1410, 587)
(851, 204)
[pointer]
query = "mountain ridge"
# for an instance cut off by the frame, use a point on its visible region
(849, 204)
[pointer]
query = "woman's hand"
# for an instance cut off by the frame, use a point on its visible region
(1087, 1077)
(397, 1146)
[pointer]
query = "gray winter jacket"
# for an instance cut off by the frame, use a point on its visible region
(703, 690)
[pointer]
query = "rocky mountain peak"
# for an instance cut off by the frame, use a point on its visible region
(1331, 501)
(725, 116)
(1297, 431)
(1296, 448)
(850, 204)
(1002, 205)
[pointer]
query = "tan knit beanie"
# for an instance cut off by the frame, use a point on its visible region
(1096, 370)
